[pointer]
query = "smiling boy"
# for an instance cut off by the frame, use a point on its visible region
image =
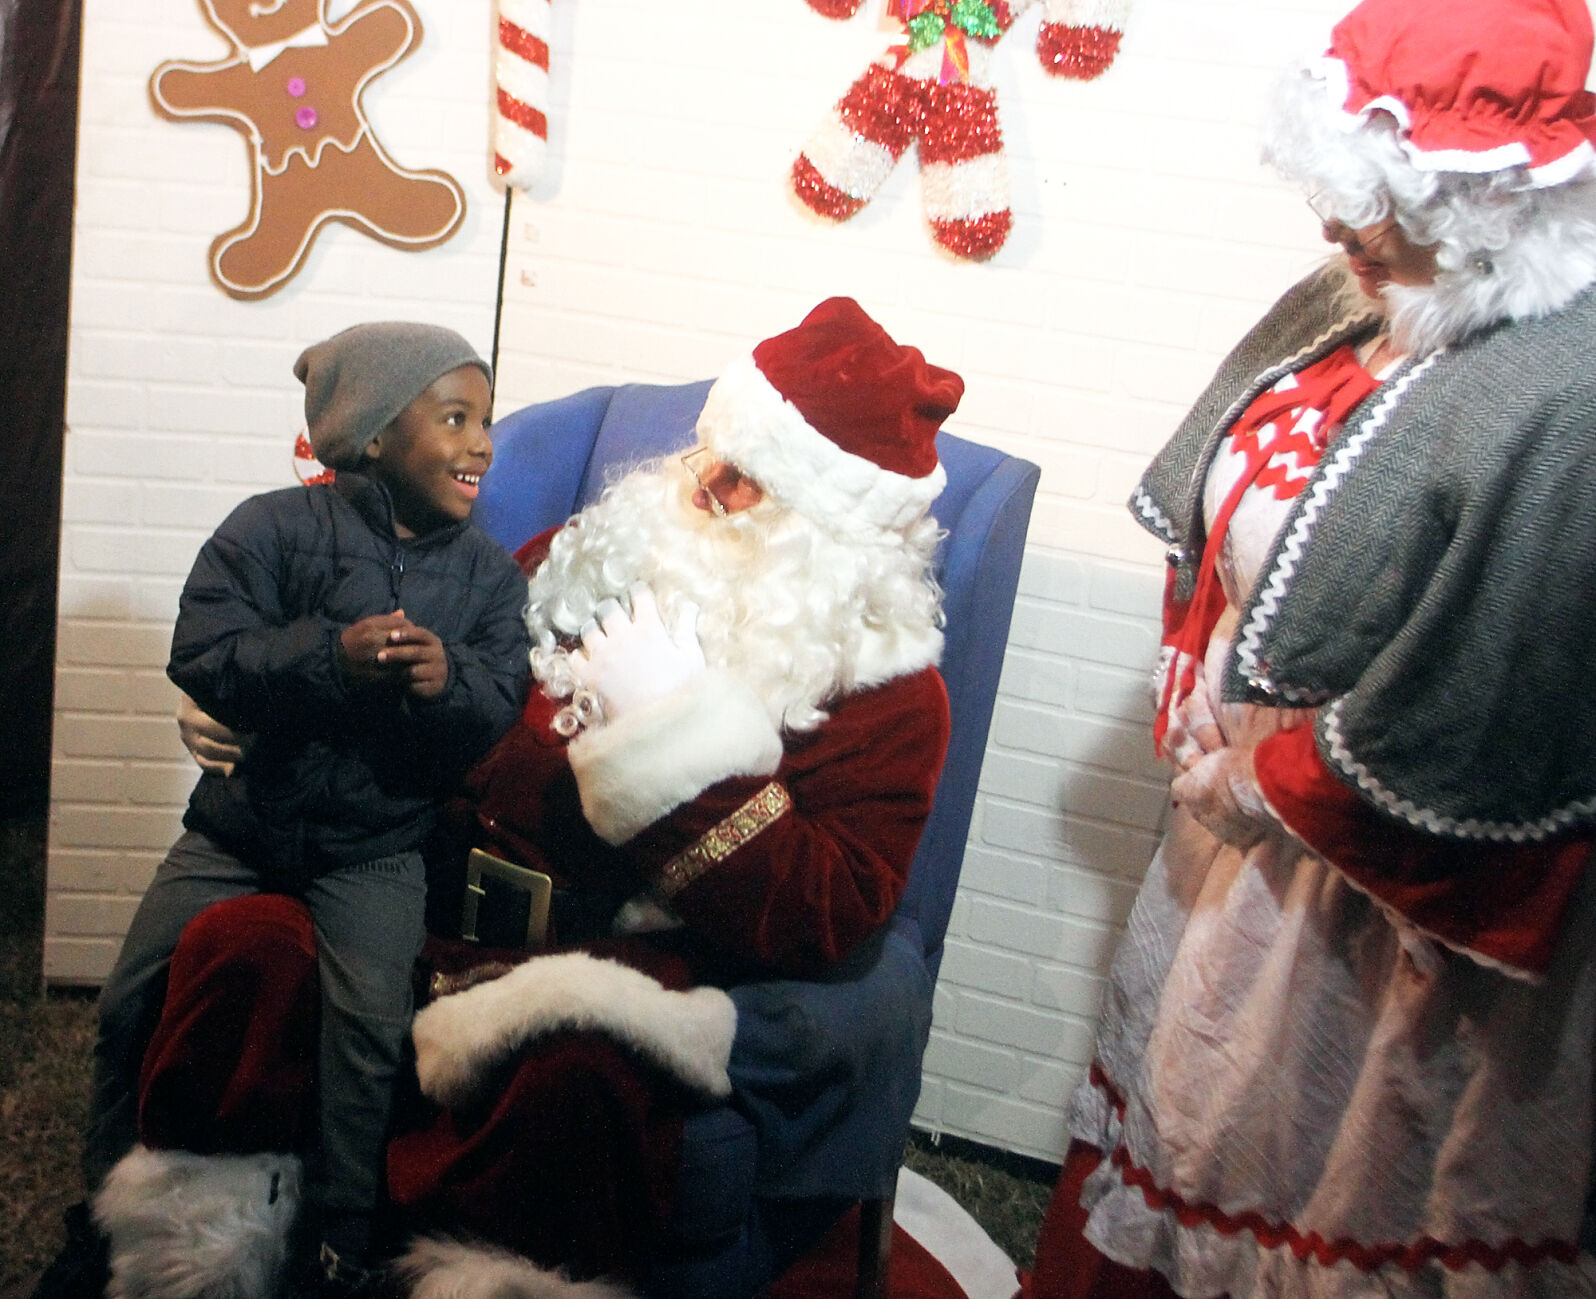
(366, 642)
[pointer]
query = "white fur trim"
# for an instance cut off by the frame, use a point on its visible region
(185, 1226)
(884, 655)
(461, 1038)
(748, 423)
(636, 769)
(451, 1269)
(964, 191)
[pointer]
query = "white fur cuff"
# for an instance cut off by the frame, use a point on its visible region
(186, 1226)
(462, 1037)
(449, 1269)
(633, 771)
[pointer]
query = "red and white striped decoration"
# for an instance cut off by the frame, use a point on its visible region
(941, 96)
(521, 120)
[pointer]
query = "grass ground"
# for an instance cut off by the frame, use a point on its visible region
(45, 1044)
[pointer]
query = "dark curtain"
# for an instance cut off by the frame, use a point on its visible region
(38, 137)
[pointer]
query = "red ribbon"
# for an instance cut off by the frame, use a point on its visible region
(1335, 386)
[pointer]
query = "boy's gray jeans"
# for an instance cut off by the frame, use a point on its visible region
(369, 921)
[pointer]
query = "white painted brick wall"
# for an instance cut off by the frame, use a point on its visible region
(1147, 238)
(662, 241)
(181, 402)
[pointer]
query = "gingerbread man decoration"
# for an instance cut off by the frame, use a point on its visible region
(292, 86)
(934, 87)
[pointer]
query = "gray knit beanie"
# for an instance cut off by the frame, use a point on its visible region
(357, 381)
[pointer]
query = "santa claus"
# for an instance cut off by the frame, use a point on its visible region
(723, 775)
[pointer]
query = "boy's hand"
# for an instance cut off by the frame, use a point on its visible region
(389, 647)
(415, 657)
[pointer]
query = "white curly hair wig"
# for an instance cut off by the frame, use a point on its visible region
(783, 602)
(1506, 249)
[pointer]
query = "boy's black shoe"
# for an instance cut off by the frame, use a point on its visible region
(82, 1269)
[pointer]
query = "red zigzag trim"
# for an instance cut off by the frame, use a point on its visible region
(1409, 1256)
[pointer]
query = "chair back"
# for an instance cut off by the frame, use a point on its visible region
(553, 458)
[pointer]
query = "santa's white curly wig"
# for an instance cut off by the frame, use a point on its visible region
(783, 602)
(1505, 248)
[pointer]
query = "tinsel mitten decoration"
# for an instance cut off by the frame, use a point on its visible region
(935, 89)
(521, 91)
(1079, 38)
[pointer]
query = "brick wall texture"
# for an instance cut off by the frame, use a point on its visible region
(661, 241)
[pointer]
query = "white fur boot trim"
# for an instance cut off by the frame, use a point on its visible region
(460, 1038)
(185, 1226)
(449, 1269)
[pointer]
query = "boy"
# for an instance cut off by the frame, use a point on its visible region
(367, 642)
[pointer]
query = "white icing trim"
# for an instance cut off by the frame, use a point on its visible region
(186, 1224)
(748, 423)
(461, 1039)
(260, 56)
(639, 768)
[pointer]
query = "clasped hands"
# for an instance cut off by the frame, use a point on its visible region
(1218, 782)
(631, 659)
(388, 647)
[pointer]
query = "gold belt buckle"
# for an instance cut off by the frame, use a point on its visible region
(535, 884)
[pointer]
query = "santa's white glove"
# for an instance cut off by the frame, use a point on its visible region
(208, 742)
(630, 660)
(1221, 791)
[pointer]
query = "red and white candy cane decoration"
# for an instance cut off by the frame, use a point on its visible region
(521, 121)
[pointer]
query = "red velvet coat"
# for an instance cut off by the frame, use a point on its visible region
(795, 852)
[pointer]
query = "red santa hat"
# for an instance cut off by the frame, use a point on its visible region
(1475, 85)
(835, 420)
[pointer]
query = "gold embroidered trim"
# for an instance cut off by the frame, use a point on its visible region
(725, 838)
(444, 984)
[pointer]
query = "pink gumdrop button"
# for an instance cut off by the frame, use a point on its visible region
(306, 117)
(296, 86)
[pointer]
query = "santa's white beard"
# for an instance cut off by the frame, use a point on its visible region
(781, 603)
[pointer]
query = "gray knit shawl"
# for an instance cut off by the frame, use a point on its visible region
(1433, 591)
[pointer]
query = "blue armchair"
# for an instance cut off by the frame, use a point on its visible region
(813, 1126)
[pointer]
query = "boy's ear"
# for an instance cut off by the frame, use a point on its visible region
(373, 449)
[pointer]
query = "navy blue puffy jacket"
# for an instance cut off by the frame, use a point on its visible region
(334, 775)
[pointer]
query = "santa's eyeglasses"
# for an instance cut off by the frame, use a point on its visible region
(696, 461)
